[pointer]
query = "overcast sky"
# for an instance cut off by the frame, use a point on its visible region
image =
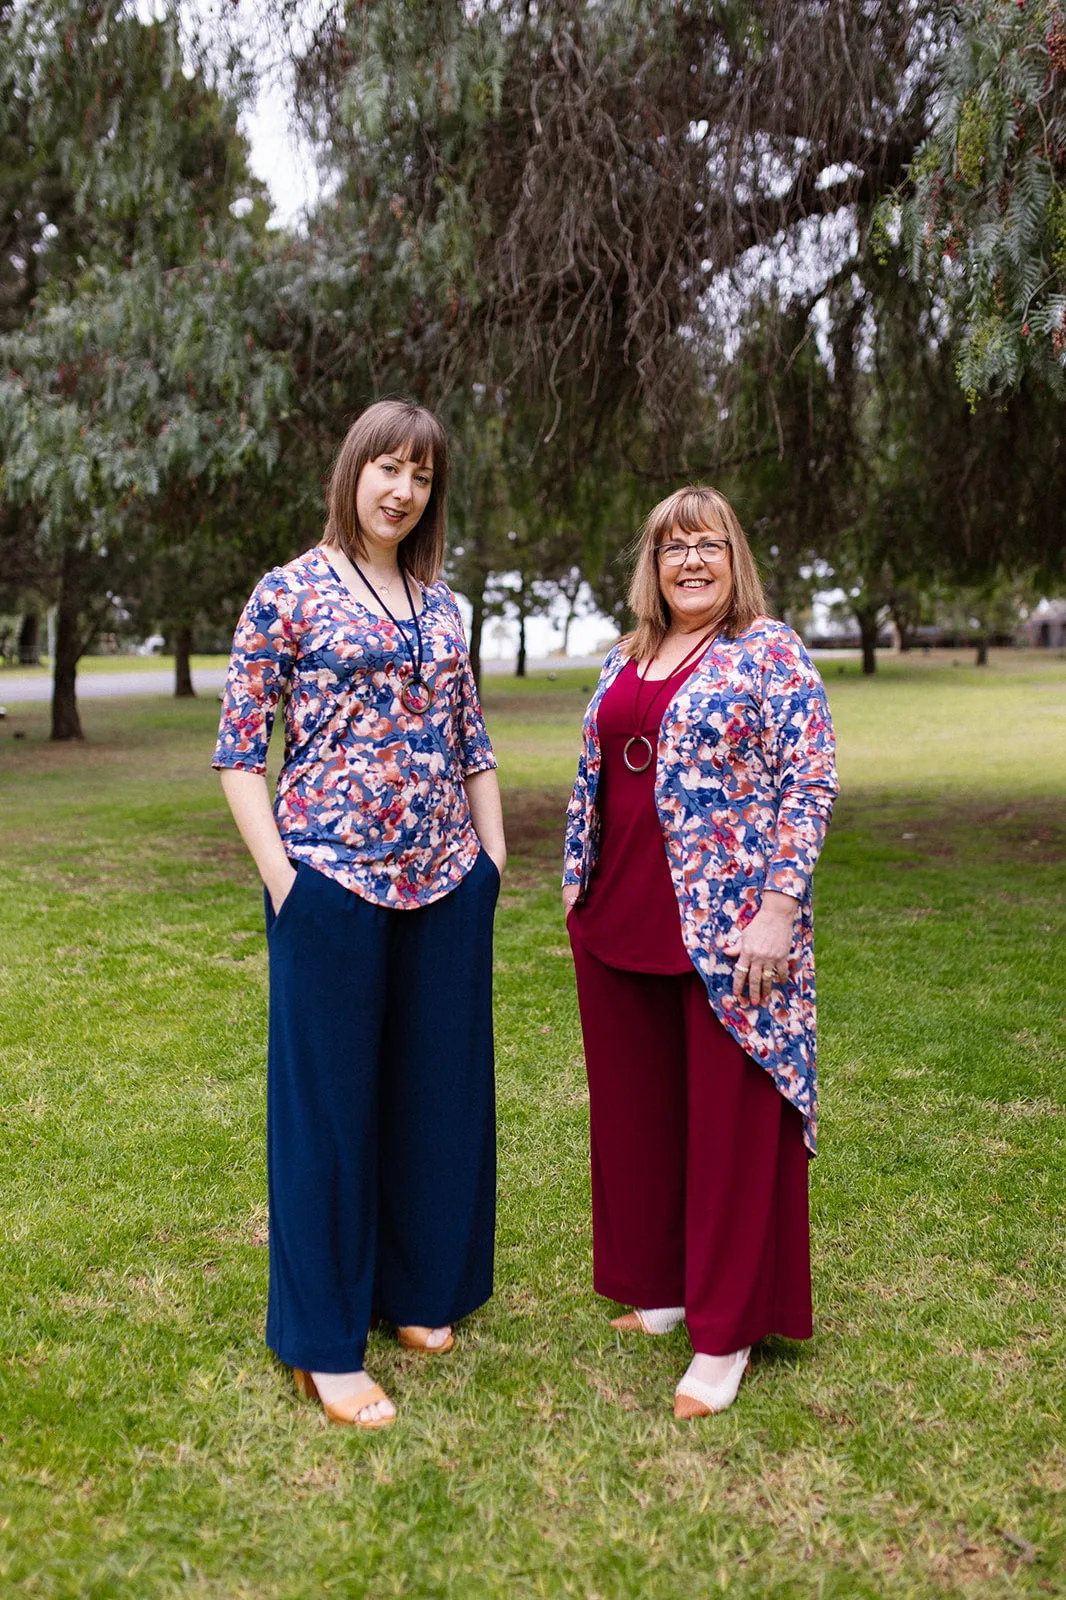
(278, 157)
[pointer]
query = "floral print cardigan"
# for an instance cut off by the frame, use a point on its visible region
(369, 793)
(745, 783)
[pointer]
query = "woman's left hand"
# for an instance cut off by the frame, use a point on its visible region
(762, 949)
(483, 795)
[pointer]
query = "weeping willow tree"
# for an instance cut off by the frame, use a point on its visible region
(563, 183)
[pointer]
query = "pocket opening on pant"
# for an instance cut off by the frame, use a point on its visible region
(274, 917)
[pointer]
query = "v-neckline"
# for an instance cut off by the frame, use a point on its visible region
(688, 669)
(378, 616)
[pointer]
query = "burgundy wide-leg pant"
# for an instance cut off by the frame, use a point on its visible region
(699, 1170)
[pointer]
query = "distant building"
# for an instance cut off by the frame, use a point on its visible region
(1045, 627)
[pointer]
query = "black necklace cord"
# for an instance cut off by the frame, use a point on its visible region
(415, 693)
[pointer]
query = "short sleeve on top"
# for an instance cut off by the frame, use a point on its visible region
(474, 746)
(264, 648)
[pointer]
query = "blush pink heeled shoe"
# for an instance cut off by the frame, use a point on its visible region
(694, 1398)
(662, 1320)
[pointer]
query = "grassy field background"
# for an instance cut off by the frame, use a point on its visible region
(150, 1447)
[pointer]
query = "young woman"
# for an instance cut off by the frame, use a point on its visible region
(381, 859)
(704, 789)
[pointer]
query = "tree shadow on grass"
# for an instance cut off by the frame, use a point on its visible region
(535, 821)
(1030, 831)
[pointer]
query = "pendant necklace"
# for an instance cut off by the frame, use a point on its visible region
(416, 695)
(638, 743)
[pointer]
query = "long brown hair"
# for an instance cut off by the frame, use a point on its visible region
(693, 509)
(384, 427)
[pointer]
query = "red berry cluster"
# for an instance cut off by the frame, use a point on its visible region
(1056, 44)
(1058, 338)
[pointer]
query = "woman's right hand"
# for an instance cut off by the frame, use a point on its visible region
(570, 894)
(280, 886)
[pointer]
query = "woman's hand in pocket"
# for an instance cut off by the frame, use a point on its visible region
(280, 885)
(570, 894)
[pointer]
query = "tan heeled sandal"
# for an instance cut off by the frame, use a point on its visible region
(413, 1337)
(347, 1410)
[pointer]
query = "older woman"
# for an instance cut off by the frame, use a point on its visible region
(703, 793)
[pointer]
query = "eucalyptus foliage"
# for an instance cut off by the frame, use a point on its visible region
(128, 358)
(149, 373)
(986, 222)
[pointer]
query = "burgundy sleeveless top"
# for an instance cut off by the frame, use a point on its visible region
(629, 917)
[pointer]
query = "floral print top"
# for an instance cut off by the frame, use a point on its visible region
(744, 786)
(369, 793)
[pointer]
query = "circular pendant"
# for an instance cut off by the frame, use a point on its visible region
(636, 765)
(416, 696)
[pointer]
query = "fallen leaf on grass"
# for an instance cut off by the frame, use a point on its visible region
(1027, 1550)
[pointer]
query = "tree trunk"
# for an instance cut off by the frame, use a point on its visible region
(520, 664)
(982, 651)
(29, 645)
(868, 630)
(568, 623)
(183, 689)
(66, 723)
(477, 628)
(903, 629)
(570, 595)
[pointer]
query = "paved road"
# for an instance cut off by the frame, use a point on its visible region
(105, 685)
(22, 686)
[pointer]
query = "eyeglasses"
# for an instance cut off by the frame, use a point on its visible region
(675, 554)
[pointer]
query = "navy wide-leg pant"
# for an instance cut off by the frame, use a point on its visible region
(381, 1144)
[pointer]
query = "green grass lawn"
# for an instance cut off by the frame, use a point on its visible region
(149, 1445)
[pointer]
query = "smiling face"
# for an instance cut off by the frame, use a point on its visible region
(392, 493)
(698, 590)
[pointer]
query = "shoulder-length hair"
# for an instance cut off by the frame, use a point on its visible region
(385, 427)
(694, 509)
